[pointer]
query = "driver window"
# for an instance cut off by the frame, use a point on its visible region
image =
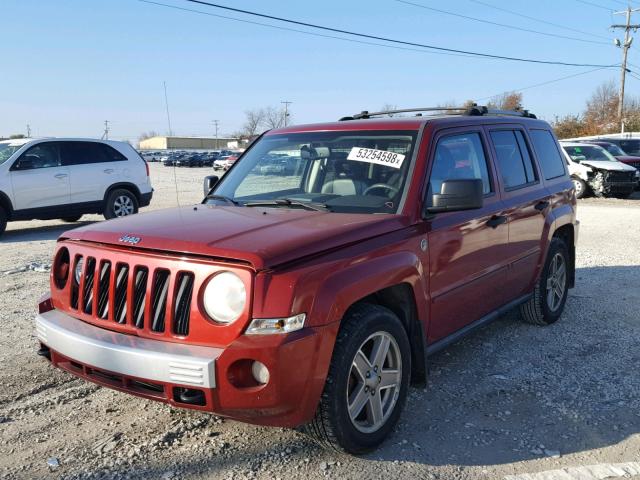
(459, 157)
(43, 155)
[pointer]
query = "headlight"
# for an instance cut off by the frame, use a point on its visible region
(225, 297)
(77, 273)
(266, 326)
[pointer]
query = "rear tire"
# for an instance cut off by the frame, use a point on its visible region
(72, 219)
(364, 393)
(120, 203)
(550, 295)
(3, 220)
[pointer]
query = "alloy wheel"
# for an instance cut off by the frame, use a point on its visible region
(123, 206)
(556, 282)
(374, 382)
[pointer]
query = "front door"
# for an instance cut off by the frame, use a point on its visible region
(38, 179)
(467, 249)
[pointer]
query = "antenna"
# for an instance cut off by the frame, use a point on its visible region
(166, 103)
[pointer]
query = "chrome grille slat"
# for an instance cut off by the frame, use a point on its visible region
(103, 290)
(87, 294)
(122, 275)
(159, 304)
(182, 305)
(139, 296)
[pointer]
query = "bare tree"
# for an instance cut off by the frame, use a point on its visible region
(390, 106)
(601, 114)
(253, 121)
(149, 134)
(506, 101)
(273, 117)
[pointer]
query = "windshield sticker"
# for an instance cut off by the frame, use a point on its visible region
(379, 157)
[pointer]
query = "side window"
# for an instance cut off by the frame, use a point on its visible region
(459, 157)
(43, 155)
(514, 161)
(547, 153)
(111, 153)
(81, 153)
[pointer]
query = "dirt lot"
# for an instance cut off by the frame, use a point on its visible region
(510, 400)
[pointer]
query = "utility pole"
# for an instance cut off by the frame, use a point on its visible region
(28, 131)
(626, 44)
(215, 123)
(286, 111)
(105, 134)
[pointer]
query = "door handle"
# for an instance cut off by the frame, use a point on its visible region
(496, 220)
(61, 175)
(541, 206)
(108, 170)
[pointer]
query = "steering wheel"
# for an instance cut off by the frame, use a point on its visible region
(393, 190)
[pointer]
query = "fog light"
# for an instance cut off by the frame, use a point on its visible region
(260, 372)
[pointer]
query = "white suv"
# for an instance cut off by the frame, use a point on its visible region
(67, 177)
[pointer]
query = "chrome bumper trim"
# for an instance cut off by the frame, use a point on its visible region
(127, 354)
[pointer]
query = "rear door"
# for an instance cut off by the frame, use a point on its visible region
(467, 249)
(527, 203)
(38, 179)
(93, 167)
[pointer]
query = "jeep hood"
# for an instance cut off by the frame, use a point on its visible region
(607, 165)
(263, 237)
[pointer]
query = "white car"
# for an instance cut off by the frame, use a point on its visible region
(68, 177)
(595, 171)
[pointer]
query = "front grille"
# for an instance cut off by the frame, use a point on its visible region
(620, 177)
(120, 295)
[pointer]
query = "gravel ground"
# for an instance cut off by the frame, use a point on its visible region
(510, 400)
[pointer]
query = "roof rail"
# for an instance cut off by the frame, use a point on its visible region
(472, 111)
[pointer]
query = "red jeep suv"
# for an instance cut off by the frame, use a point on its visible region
(311, 295)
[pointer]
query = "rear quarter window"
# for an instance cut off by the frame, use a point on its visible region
(548, 154)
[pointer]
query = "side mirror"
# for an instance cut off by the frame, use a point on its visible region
(457, 195)
(210, 182)
(25, 163)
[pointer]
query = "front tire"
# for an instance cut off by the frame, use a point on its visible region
(581, 187)
(3, 220)
(550, 295)
(367, 383)
(120, 203)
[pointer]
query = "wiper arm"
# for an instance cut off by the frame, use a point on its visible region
(224, 198)
(287, 202)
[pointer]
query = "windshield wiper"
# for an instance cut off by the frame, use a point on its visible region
(224, 198)
(287, 202)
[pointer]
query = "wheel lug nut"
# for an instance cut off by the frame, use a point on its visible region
(375, 369)
(368, 374)
(366, 389)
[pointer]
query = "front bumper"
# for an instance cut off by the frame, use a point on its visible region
(165, 371)
(127, 355)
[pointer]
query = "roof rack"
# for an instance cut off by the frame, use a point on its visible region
(471, 111)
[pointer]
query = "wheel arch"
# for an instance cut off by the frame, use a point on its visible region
(124, 186)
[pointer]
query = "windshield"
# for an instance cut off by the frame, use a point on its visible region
(346, 172)
(615, 150)
(591, 152)
(6, 150)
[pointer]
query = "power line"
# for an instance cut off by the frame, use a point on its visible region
(503, 25)
(595, 5)
(390, 40)
(558, 25)
(543, 83)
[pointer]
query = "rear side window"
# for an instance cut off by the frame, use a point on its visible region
(514, 160)
(82, 153)
(112, 154)
(459, 157)
(547, 152)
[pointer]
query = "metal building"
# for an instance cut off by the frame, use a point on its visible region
(186, 143)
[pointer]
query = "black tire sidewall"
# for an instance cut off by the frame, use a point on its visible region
(3, 220)
(351, 439)
(556, 246)
(109, 210)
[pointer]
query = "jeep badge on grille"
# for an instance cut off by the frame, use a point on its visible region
(129, 239)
